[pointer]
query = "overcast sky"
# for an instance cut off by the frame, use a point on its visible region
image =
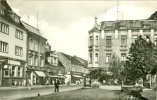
(65, 24)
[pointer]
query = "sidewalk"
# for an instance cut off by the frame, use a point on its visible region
(18, 96)
(34, 86)
(149, 94)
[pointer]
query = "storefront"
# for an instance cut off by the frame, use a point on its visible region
(12, 72)
(36, 76)
(76, 77)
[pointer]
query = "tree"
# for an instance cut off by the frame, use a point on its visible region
(115, 66)
(140, 61)
(95, 74)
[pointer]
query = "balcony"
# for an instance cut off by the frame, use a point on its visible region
(123, 48)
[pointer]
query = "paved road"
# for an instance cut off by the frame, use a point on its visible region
(10, 94)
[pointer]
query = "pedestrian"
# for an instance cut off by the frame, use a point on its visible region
(56, 83)
(29, 83)
(12, 83)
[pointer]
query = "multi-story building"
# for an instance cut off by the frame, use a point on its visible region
(116, 36)
(34, 70)
(13, 46)
(74, 68)
(54, 67)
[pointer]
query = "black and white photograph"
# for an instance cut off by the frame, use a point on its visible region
(78, 49)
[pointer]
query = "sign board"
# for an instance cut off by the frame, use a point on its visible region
(14, 62)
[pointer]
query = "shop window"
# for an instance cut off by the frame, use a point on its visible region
(6, 72)
(13, 71)
(19, 71)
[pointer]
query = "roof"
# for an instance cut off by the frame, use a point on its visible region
(153, 16)
(84, 62)
(73, 59)
(128, 24)
(8, 12)
(32, 29)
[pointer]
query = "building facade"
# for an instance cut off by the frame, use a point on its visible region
(13, 46)
(34, 70)
(116, 36)
(54, 67)
(74, 68)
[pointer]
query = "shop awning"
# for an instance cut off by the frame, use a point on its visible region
(53, 76)
(77, 76)
(40, 73)
(56, 76)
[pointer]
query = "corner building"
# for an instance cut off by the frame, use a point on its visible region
(13, 46)
(116, 36)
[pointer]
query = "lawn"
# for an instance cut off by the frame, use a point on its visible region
(150, 94)
(80, 94)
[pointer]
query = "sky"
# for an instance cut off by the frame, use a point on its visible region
(65, 24)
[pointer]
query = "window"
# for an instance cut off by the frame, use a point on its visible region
(155, 39)
(108, 57)
(35, 61)
(13, 71)
(30, 60)
(90, 57)
(135, 36)
(1, 11)
(91, 40)
(146, 30)
(123, 40)
(96, 40)
(19, 34)
(17, 19)
(19, 71)
(30, 44)
(3, 47)
(123, 56)
(36, 46)
(18, 51)
(4, 28)
(55, 60)
(134, 31)
(108, 40)
(41, 62)
(6, 72)
(96, 57)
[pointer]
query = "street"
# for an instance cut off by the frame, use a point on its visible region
(16, 93)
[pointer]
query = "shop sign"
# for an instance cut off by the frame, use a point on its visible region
(13, 62)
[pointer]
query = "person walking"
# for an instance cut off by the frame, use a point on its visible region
(56, 85)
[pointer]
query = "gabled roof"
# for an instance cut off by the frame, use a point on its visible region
(84, 62)
(32, 29)
(73, 59)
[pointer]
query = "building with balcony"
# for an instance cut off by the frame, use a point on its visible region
(13, 46)
(116, 36)
(34, 70)
(54, 67)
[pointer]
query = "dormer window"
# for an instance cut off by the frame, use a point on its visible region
(17, 19)
(1, 10)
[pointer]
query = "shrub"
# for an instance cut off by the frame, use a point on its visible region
(95, 84)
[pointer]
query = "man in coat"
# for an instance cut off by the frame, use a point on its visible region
(56, 85)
